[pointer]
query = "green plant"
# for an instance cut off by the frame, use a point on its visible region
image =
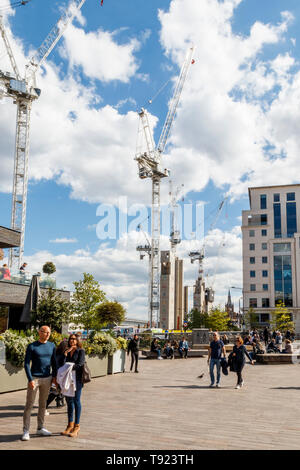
(109, 313)
(121, 343)
(52, 310)
(100, 344)
(86, 298)
(281, 318)
(16, 345)
(218, 319)
(56, 337)
(49, 268)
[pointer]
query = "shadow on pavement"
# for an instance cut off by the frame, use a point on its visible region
(190, 386)
(285, 388)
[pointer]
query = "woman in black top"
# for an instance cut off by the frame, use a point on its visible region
(74, 353)
(133, 346)
(238, 354)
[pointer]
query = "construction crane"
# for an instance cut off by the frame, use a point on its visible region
(24, 92)
(175, 232)
(199, 255)
(150, 166)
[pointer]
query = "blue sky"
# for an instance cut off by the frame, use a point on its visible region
(237, 118)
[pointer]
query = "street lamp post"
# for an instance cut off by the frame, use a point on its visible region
(240, 288)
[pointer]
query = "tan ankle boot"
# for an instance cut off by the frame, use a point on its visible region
(75, 431)
(68, 429)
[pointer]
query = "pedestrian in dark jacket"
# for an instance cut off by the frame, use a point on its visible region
(238, 354)
(133, 347)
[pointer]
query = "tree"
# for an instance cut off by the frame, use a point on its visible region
(86, 298)
(109, 313)
(52, 310)
(49, 268)
(281, 318)
(218, 319)
(250, 318)
(197, 319)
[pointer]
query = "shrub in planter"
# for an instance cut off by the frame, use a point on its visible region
(16, 345)
(100, 343)
(121, 343)
(49, 268)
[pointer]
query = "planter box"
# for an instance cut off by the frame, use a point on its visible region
(116, 362)
(98, 365)
(12, 378)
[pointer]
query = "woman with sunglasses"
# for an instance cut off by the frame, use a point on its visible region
(74, 353)
(238, 354)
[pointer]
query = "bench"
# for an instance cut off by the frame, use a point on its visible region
(191, 353)
(278, 358)
(228, 347)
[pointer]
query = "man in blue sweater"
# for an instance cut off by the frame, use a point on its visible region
(41, 355)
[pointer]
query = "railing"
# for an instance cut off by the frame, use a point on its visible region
(25, 278)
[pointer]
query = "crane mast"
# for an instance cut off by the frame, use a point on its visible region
(149, 166)
(23, 91)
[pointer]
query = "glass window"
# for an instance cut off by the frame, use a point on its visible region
(264, 318)
(263, 219)
(265, 286)
(265, 273)
(265, 303)
(253, 287)
(290, 197)
(291, 219)
(283, 279)
(252, 259)
(251, 233)
(264, 259)
(263, 201)
(277, 220)
(264, 233)
(281, 247)
(264, 246)
(252, 246)
(276, 197)
(252, 273)
(253, 303)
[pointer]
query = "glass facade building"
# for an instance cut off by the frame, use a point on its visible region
(277, 220)
(283, 279)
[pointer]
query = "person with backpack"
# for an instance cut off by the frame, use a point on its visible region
(76, 355)
(239, 353)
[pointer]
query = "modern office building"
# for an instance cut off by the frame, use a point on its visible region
(271, 251)
(171, 292)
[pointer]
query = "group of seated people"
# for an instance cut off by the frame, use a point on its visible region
(273, 346)
(169, 348)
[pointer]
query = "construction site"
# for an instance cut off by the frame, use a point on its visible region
(168, 296)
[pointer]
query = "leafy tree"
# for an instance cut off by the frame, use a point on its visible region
(281, 318)
(250, 318)
(109, 313)
(52, 310)
(49, 268)
(218, 319)
(197, 319)
(86, 298)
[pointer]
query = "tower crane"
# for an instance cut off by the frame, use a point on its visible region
(24, 92)
(200, 254)
(175, 232)
(150, 166)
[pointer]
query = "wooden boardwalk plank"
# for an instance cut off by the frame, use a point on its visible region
(165, 406)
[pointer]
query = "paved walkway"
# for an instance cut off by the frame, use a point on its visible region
(166, 407)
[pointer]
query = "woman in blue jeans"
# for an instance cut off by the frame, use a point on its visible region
(74, 353)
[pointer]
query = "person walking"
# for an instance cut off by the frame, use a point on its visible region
(76, 355)
(238, 354)
(215, 351)
(133, 347)
(41, 355)
(266, 335)
(278, 341)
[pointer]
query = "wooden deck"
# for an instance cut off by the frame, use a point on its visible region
(166, 406)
